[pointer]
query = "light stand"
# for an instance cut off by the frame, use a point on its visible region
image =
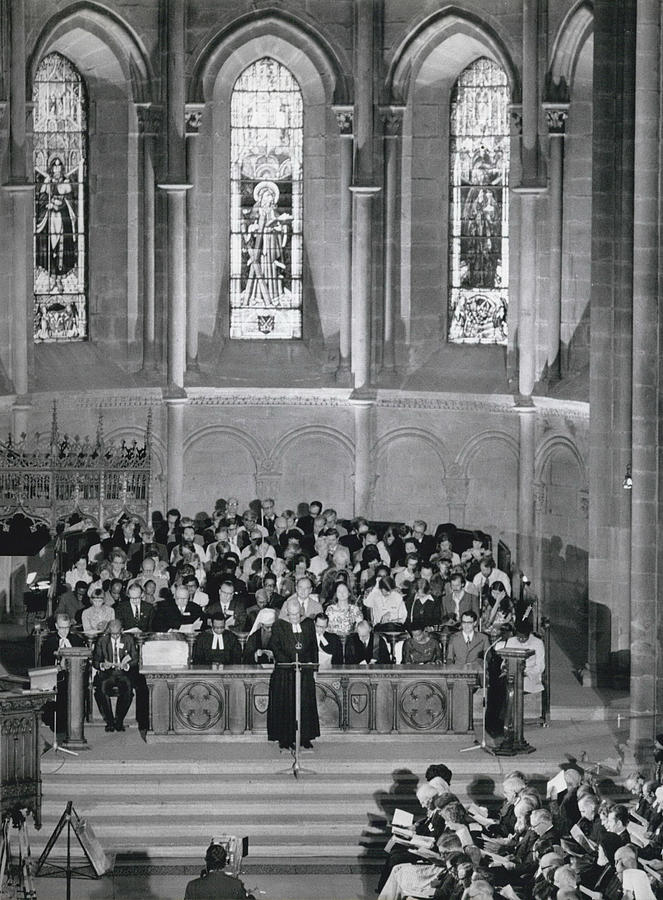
(55, 746)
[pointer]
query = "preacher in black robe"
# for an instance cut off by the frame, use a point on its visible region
(281, 710)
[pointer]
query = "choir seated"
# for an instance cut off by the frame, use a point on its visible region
(400, 595)
(572, 844)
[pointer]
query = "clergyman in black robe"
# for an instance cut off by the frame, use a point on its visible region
(286, 633)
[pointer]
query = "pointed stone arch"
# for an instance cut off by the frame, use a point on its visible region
(575, 29)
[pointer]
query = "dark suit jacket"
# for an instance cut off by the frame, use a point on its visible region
(103, 649)
(461, 654)
(203, 655)
(356, 652)
(426, 547)
(51, 645)
(124, 612)
(331, 643)
(419, 615)
(167, 615)
(467, 602)
(236, 607)
(215, 886)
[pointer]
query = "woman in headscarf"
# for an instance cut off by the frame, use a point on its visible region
(258, 647)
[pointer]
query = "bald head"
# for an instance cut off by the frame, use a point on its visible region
(293, 610)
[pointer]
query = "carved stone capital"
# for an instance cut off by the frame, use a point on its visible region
(193, 116)
(344, 119)
(392, 120)
(150, 119)
(556, 116)
(516, 116)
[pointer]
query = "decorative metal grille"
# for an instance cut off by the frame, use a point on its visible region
(60, 223)
(53, 476)
(266, 203)
(479, 207)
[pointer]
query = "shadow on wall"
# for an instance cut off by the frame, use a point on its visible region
(565, 596)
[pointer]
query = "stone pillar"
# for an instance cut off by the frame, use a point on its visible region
(21, 190)
(194, 114)
(363, 480)
(530, 92)
(363, 191)
(176, 187)
(392, 117)
(611, 349)
(344, 118)
(556, 114)
(149, 124)
(526, 524)
(175, 420)
(362, 282)
(527, 374)
(645, 624)
(75, 660)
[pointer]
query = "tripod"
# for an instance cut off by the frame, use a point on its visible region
(18, 875)
(296, 769)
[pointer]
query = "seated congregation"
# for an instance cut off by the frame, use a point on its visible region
(575, 843)
(395, 596)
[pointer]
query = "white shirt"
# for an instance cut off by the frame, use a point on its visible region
(324, 657)
(534, 665)
(391, 606)
(496, 575)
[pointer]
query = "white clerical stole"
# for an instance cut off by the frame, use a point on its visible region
(64, 643)
(217, 642)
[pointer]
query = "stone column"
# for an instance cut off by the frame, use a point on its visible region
(149, 124)
(21, 191)
(344, 119)
(75, 659)
(363, 478)
(530, 92)
(611, 349)
(526, 523)
(392, 118)
(194, 114)
(176, 187)
(175, 420)
(645, 585)
(363, 191)
(556, 114)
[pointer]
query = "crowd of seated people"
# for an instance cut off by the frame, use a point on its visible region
(572, 844)
(375, 598)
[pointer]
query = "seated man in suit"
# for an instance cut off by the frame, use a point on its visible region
(170, 615)
(309, 606)
(468, 646)
(134, 613)
(217, 646)
(457, 599)
(330, 648)
(115, 655)
(366, 646)
(231, 605)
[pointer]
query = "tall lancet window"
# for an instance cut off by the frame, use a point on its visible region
(479, 207)
(60, 210)
(266, 121)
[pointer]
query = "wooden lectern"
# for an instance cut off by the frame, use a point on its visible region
(20, 787)
(75, 660)
(514, 741)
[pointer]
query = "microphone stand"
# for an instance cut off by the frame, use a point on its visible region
(483, 745)
(296, 769)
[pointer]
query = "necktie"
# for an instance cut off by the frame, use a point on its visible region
(468, 641)
(217, 642)
(136, 609)
(116, 653)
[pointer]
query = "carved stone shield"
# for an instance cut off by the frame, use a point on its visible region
(261, 702)
(359, 702)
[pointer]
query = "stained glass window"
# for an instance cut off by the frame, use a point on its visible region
(479, 208)
(60, 174)
(266, 203)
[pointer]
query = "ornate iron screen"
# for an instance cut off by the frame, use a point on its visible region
(60, 225)
(51, 478)
(479, 208)
(266, 127)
